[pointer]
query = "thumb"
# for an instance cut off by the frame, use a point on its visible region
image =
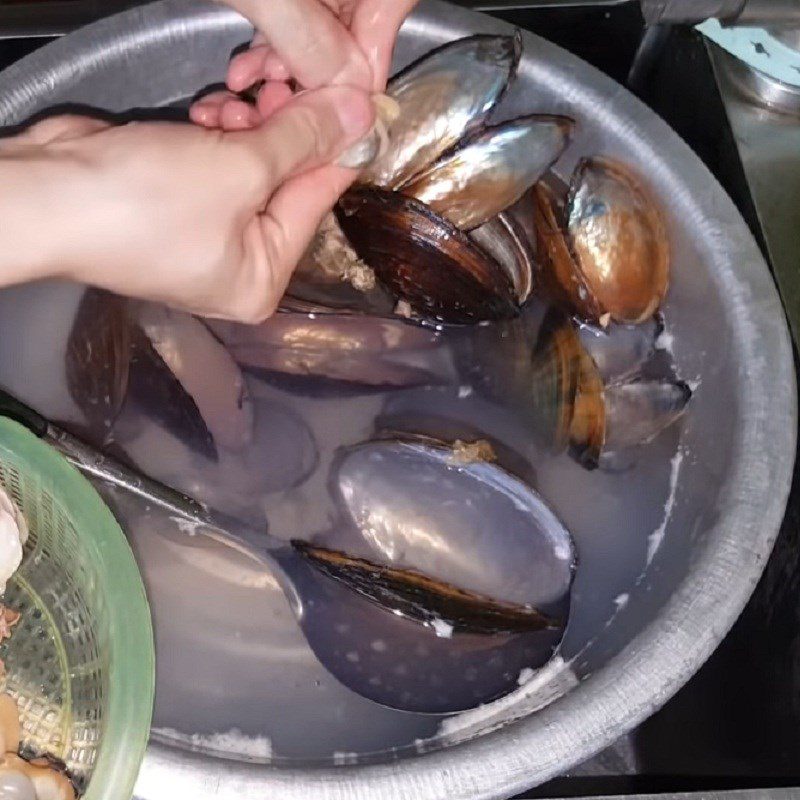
(311, 130)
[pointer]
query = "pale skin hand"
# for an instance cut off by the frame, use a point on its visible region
(313, 42)
(212, 222)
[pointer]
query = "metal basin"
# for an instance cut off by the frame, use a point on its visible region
(728, 488)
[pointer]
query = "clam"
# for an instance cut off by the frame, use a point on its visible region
(316, 352)
(491, 171)
(438, 107)
(204, 369)
(421, 505)
(424, 259)
(551, 379)
(98, 358)
(444, 174)
(604, 249)
(165, 362)
(414, 523)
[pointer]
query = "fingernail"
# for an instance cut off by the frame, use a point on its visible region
(355, 112)
(374, 144)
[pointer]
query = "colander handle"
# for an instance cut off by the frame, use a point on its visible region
(13, 409)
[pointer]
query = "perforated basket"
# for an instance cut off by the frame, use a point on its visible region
(80, 663)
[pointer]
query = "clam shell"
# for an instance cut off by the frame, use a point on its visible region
(204, 369)
(503, 238)
(559, 278)
(619, 240)
(98, 359)
(489, 173)
(427, 600)
(438, 106)
(355, 351)
(425, 260)
(419, 508)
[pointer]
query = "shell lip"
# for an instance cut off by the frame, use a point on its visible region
(504, 300)
(566, 124)
(424, 599)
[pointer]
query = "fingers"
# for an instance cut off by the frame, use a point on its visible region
(273, 96)
(313, 44)
(291, 220)
(230, 113)
(259, 63)
(226, 111)
(375, 27)
(310, 130)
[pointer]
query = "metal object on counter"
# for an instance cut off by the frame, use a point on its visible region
(769, 149)
(766, 63)
(765, 90)
(727, 327)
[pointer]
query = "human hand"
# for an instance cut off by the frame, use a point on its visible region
(206, 221)
(313, 42)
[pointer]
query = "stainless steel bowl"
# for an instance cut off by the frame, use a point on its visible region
(738, 445)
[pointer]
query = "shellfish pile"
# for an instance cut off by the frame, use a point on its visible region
(461, 256)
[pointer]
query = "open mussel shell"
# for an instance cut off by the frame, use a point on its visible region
(559, 277)
(424, 259)
(312, 352)
(98, 359)
(419, 597)
(532, 367)
(422, 512)
(619, 239)
(604, 248)
(205, 370)
(551, 379)
(123, 354)
(491, 171)
(438, 106)
(503, 238)
(621, 351)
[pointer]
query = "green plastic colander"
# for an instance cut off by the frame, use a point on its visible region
(81, 661)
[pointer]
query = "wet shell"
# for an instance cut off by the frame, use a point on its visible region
(424, 259)
(502, 238)
(420, 510)
(490, 172)
(98, 358)
(438, 107)
(425, 599)
(559, 279)
(354, 351)
(604, 251)
(619, 240)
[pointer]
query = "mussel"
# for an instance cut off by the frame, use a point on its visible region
(603, 248)
(413, 522)
(164, 362)
(424, 259)
(312, 353)
(491, 171)
(438, 107)
(443, 175)
(550, 377)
